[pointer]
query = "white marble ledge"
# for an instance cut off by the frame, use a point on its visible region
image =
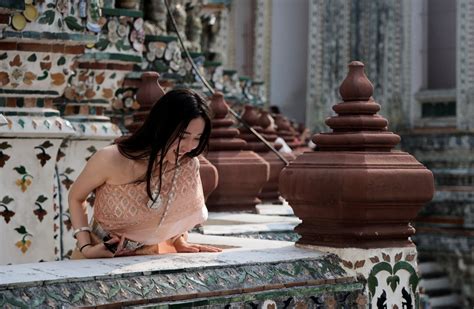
(274, 210)
(244, 251)
(244, 218)
(247, 228)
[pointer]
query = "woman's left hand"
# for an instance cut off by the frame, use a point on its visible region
(182, 245)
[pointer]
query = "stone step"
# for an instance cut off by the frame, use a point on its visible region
(439, 283)
(253, 270)
(274, 210)
(447, 301)
(427, 268)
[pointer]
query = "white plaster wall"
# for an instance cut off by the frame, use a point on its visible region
(289, 51)
(418, 42)
(243, 14)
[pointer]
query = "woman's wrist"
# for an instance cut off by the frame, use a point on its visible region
(179, 239)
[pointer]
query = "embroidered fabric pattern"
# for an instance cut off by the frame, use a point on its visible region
(123, 209)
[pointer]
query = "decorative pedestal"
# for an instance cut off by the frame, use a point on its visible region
(39, 45)
(269, 193)
(285, 131)
(356, 192)
(242, 174)
(97, 87)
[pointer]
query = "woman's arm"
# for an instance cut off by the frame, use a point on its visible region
(92, 176)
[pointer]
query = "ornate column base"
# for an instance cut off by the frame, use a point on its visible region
(390, 273)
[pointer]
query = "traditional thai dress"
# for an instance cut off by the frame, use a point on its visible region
(150, 227)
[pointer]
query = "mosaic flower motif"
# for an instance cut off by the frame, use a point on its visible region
(4, 157)
(43, 156)
(23, 244)
(40, 212)
(67, 182)
(6, 213)
(137, 36)
(25, 181)
(19, 75)
(67, 221)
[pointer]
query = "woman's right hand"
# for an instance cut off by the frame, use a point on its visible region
(99, 250)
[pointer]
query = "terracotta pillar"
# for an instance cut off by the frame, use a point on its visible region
(96, 87)
(269, 193)
(285, 131)
(242, 174)
(356, 195)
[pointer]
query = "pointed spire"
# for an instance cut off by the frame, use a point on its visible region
(357, 125)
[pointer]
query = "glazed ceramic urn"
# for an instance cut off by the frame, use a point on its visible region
(356, 191)
(242, 174)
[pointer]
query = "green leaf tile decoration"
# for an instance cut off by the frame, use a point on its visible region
(3, 56)
(5, 145)
(47, 17)
(102, 44)
(32, 58)
(44, 76)
(20, 169)
(62, 60)
(71, 23)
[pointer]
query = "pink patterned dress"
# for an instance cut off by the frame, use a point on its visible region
(126, 210)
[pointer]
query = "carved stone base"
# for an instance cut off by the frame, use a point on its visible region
(242, 175)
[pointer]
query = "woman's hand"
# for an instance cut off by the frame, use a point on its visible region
(181, 245)
(100, 250)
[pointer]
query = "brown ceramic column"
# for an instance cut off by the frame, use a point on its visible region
(262, 124)
(242, 174)
(356, 191)
(284, 130)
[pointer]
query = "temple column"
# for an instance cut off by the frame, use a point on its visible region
(356, 196)
(242, 174)
(465, 65)
(96, 87)
(40, 44)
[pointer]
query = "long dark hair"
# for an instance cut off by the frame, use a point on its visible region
(166, 123)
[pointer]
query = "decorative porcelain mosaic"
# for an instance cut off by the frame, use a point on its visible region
(57, 16)
(92, 86)
(71, 159)
(321, 281)
(392, 279)
(27, 167)
(20, 72)
(33, 122)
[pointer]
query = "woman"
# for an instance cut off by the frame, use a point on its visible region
(147, 186)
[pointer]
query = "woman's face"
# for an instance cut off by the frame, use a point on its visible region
(188, 141)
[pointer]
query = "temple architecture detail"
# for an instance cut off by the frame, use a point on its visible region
(77, 74)
(242, 173)
(356, 195)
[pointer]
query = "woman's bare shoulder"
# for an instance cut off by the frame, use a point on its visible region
(108, 157)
